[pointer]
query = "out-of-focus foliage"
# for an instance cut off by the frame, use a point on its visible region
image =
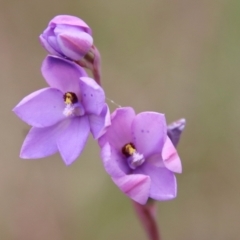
(177, 57)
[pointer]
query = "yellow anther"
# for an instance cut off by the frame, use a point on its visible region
(128, 149)
(70, 98)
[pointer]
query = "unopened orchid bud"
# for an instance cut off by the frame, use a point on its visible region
(67, 36)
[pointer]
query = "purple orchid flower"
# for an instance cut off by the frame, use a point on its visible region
(139, 156)
(63, 114)
(67, 36)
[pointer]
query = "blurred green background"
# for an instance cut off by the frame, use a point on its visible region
(177, 57)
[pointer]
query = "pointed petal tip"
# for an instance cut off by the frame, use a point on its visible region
(72, 140)
(68, 162)
(179, 124)
(68, 159)
(14, 109)
(170, 197)
(23, 155)
(182, 124)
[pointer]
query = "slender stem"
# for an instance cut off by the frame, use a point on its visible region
(97, 65)
(92, 61)
(147, 215)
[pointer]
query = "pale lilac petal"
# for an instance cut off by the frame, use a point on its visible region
(40, 142)
(47, 46)
(163, 182)
(73, 43)
(150, 131)
(42, 108)
(52, 40)
(99, 123)
(72, 138)
(119, 132)
(70, 20)
(170, 157)
(93, 97)
(135, 186)
(114, 163)
(156, 160)
(62, 74)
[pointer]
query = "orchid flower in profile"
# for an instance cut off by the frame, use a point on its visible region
(139, 156)
(63, 114)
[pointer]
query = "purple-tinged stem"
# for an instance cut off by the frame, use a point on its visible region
(92, 61)
(147, 215)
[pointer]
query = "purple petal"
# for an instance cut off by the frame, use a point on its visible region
(93, 97)
(70, 20)
(163, 182)
(135, 186)
(51, 40)
(150, 131)
(99, 123)
(170, 157)
(114, 164)
(40, 142)
(42, 108)
(156, 160)
(47, 46)
(72, 138)
(62, 74)
(119, 132)
(73, 43)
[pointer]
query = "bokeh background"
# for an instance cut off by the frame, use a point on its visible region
(177, 57)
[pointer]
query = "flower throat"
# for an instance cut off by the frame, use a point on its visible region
(134, 158)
